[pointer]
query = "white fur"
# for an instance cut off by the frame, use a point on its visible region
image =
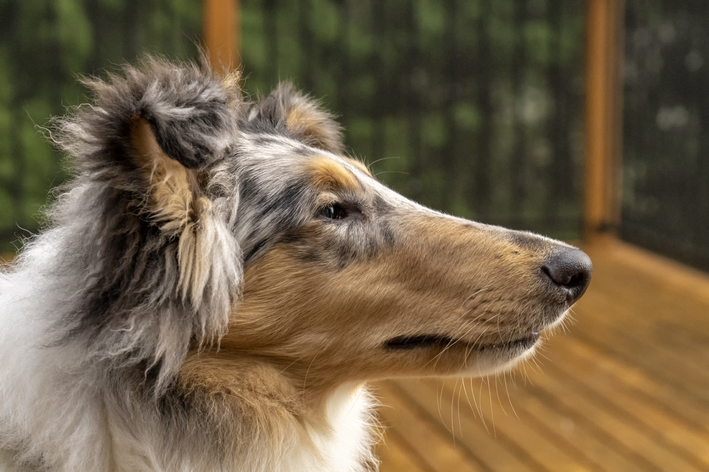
(51, 409)
(343, 444)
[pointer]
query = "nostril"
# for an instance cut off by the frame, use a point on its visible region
(571, 270)
(559, 277)
(566, 276)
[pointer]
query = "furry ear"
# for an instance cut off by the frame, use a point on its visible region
(301, 117)
(184, 122)
(173, 189)
(155, 131)
(157, 208)
(160, 128)
(176, 204)
(192, 118)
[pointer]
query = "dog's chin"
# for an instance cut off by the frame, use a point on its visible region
(497, 358)
(477, 359)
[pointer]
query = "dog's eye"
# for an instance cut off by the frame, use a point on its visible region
(334, 212)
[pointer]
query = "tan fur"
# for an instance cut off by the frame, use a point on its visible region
(327, 174)
(175, 205)
(313, 126)
(360, 166)
(219, 303)
(232, 82)
(253, 390)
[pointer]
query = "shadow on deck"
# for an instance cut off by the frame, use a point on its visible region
(627, 389)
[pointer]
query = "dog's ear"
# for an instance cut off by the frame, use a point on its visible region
(155, 208)
(151, 141)
(192, 115)
(174, 196)
(300, 117)
(151, 214)
(153, 133)
(183, 124)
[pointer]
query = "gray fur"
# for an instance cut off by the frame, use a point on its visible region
(127, 308)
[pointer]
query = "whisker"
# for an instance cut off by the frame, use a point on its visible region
(305, 380)
(359, 395)
(452, 408)
(540, 353)
(497, 392)
(507, 388)
(460, 424)
(480, 410)
(471, 296)
(474, 343)
(390, 172)
(291, 364)
(537, 365)
(525, 377)
(492, 413)
(369, 165)
(439, 402)
(465, 390)
(454, 340)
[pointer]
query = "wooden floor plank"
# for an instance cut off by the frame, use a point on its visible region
(663, 366)
(606, 421)
(435, 452)
(632, 378)
(666, 278)
(396, 455)
(477, 442)
(512, 433)
(561, 426)
(636, 412)
(683, 434)
(604, 322)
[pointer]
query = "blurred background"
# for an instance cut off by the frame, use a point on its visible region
(587, 120)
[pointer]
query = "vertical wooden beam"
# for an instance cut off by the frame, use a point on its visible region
(221, 30)
(604, 53)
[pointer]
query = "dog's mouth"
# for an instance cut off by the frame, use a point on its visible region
(438, 341)
(413, 342)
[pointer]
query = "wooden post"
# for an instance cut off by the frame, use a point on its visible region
(604, 53)
(222, 33)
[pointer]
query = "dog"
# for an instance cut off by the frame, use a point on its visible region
(218, 282)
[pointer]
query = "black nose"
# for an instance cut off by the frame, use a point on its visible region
(570, 269)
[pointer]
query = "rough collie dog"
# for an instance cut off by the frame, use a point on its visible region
(219, 281)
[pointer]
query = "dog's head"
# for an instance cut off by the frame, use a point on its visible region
(209, 218)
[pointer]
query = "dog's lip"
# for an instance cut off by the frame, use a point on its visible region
(408, 342)
(524, 342)
(416, 341)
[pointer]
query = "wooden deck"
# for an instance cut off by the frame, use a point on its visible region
(627, 389)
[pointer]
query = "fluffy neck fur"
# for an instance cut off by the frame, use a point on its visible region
(141, 262)
(71, 416)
